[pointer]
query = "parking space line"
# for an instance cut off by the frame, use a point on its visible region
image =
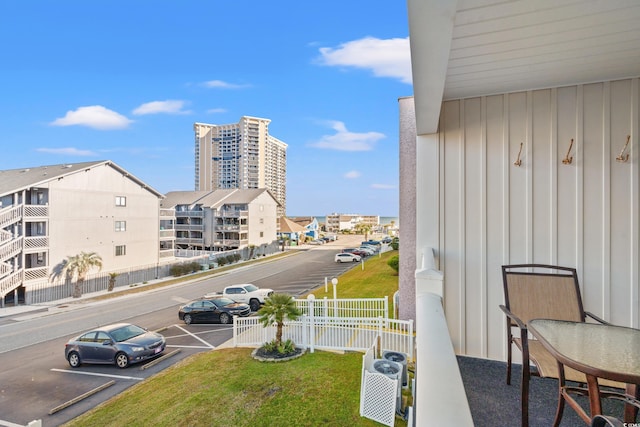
(95, 374)
(188, 346)
(195, 336)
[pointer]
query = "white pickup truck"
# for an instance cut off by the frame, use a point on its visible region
(248, 294)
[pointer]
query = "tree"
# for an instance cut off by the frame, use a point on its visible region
(362, 228)
(276, 309)
(79, 265)
(112, 281)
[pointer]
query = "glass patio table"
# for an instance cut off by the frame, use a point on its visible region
(599, 351)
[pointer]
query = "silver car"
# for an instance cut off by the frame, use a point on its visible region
(121, 344)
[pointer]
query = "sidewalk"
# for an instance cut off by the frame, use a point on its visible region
(24, 311)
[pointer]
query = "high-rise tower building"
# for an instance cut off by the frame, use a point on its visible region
(240, 155)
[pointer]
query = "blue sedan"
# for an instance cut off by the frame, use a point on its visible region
(121, 344)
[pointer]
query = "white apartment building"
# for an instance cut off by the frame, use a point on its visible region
(48, 213)
(336, 222)
(240, 155)
(224, 219)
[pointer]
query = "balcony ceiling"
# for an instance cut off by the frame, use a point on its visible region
(469, 48)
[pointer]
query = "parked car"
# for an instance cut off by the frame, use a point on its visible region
(246, 293)
(370, 242)
(316, 242)
(121, 344)
(215, 308)
(386, 240)
(355, 251)
(367, 249)
(347, 257)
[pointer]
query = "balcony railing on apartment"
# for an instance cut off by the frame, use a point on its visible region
(189, 227)
(191, 214)
(228, 227)
(167, 213)
(36, 211)
(36, 243)
(167, 234)
(37, 273)
(233, 214)
(189, 241)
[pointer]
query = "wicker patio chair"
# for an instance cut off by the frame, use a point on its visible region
(540, 291)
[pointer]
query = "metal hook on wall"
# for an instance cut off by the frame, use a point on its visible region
(567, 160)
(624, 157)
(518, 162)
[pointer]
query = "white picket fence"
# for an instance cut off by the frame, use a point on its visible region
(345, 307)
(330, 333)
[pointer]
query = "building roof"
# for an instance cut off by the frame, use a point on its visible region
(13, 180)
(288, 226)
(212, 199)
(302, 220)
(471, 48)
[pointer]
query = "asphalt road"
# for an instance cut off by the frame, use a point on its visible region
(36, 380)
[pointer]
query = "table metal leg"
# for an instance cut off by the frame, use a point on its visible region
(595, 404)
(631, 410)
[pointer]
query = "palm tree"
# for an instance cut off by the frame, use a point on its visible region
(276, 309)
(79, 265)
(362, 228)
(112, 281)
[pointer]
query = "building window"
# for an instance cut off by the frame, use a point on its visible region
(261, 220)
(121, 225)
(262, 234)
(121, 201)
(121, 250)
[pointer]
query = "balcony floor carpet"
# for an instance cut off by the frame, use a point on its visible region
(493, 403)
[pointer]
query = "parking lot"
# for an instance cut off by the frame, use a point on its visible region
(37, 383)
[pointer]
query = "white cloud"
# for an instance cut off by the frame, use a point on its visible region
(385, 58)
(158, 107)
(383, 186)
(352, 175)
(343, 140)
(93, 116)
(68, 151)
(219, 84)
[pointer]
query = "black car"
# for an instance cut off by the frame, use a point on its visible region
(121, 344)
(212, 309)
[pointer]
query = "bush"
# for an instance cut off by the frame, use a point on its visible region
(285, 347)
(394, 262)
(222, 260)
(395, 243)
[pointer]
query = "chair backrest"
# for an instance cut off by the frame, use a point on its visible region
(538, 291)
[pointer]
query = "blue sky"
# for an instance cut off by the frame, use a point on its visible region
(126, 80)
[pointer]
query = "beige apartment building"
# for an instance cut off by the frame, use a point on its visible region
(336, 222)
(224, 219)
(48, 213)
(240, 155)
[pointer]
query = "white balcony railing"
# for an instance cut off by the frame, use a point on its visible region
(36, 243)
(35, 273)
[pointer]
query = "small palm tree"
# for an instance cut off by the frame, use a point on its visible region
(363, 228)
(112, 281)
(79, 265)
(276, 309)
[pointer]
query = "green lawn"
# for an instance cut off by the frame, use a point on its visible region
(227, 387)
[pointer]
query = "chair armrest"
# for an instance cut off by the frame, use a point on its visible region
(513, 317)
(596, 318)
